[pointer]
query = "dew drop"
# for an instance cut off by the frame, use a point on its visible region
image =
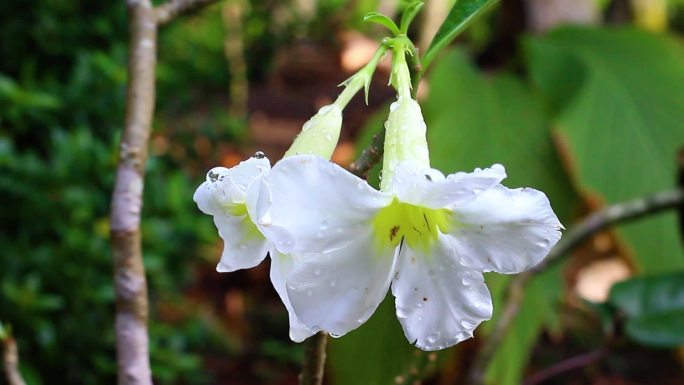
(432, 338)
(318, 272)
(467, 324)
(307, 125)
(394, 106)
(324, 109)
(309, 293)
(324, 225)
(333, 283)
(431, 272)
(259, 155)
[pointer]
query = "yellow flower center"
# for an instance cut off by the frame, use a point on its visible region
(418, 226)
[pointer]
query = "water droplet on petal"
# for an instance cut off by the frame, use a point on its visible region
(324, 225)
(431, 272)
(318, 272)
(259, 155)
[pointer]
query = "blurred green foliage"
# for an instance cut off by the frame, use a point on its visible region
(653, 307)
(613, 97)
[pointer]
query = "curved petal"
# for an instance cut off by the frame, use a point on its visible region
(318, 202)
(225, 187)
(338, 291)
(205, 200)
(439, 302)
(244, 246)
(429, 188)
(505, 230)
(281, 266)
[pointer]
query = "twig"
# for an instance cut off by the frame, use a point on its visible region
(10, 359)
(174, 8)
(130, 284)
(129, 272)
(611, 215)
(565, 366)
(233, 49)
(369, 157)
(314, 360)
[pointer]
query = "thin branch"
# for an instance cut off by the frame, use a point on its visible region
(174, 8)
(369, 157)
(566, 366)
(611, 215)
(10, 360)
(314, 360)
(129, 273)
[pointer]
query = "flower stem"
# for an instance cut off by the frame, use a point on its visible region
(314, 360)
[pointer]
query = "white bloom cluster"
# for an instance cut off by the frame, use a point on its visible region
(337, 245)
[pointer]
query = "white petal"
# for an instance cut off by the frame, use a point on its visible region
(258, 202)
(248, 171)
(429, 188)
(244, 246)
(505, 230)
(205, 199)
(338, 291)
(281, 266)
(318, 202)
(225, 187)
(439, 302)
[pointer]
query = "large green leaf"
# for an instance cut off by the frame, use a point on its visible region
(475, 121)
(374, 354)
(654, 307)
(618, 102)
(462, 14)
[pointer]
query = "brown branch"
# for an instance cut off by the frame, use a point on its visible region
(129, 273)
(611, 215)
(174, 8)
(369, 157)
(314, 360)
(10, 358)
(565, 366)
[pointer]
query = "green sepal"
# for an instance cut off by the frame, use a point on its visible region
(379, 18)
(409, 14)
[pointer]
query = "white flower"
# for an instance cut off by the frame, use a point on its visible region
(428, 236)
(225, 195)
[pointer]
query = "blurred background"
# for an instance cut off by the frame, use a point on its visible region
(583, 99)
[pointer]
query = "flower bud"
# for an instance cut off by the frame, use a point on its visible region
(320, 134)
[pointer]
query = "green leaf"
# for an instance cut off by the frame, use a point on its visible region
(617, 96)
(374, 354)
(654, 307)
(662, 330)
(647, 295)
(475, 121)
(379, 18)
(462, 14)
(409, 14)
